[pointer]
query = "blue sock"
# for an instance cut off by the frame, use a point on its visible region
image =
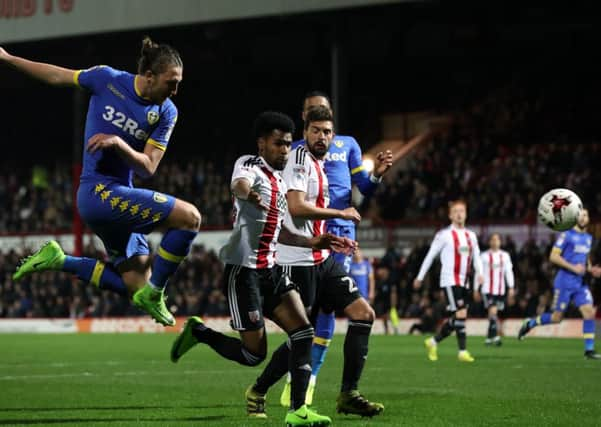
(543, 319)
(324, 329)
(101, 275)
(588, 332)
(174, 247)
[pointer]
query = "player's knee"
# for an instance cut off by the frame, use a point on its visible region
(588, 312)
(557, 317)
(252, 359)
(361, 310)
(191, 218)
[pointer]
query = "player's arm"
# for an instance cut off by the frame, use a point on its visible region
(48, 73)
(556, 258)
(365, 182)
(144, 164)
(323, 241)
(371, 294)
(433, 252)
(296, 176)
(477, 259)
(243, 178)
(509, 276)
(299, 207)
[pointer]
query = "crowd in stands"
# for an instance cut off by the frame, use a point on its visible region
(196, 288)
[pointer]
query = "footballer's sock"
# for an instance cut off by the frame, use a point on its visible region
(300, 364)
(356, 344)
(275, 369)
(588, 332)
(492, 327)
(100, 274)
(543, 319)
(445, 330)
(459, 325)
(174, 247)
(228, 347)
(324, 329)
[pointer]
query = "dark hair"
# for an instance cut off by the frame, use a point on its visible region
(318, 113)
(315, 93)
(156, 57)
(268, 121)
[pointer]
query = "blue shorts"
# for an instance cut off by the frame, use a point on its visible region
(342, 231)
(562, 297)
(121, 215)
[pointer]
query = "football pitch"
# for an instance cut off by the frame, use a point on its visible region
(127, 379)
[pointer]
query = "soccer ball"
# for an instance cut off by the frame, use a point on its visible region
(559, 209)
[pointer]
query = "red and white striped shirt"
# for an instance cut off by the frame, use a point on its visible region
(253, 240)
(305, 173)
(458, 248)
(497, 270)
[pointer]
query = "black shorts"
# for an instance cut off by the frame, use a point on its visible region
(490, 300)
(325, 285)
(253, 293)
(457, 297)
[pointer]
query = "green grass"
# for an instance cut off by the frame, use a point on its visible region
(118, 380)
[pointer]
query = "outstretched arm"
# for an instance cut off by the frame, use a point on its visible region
(48, 73)
(435, 249)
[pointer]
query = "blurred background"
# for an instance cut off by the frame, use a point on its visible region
(505, 99)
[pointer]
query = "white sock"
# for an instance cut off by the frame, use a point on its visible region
(288, 378)
(312, 380)
(433, 341)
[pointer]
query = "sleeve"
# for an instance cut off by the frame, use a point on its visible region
(159, 137)
(296, 172)
(244, 170)
(93, 79)
(433, 252)
(508, 267)
(560, 244)
(477, 258)
(359, 175)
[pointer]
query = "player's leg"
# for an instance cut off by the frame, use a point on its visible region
(325, 323)
(446, 328)
(356, 346)
(304, 278)
(460, 332)
(290, 315)
(561, 300)
(244, 298)
(584, 301)
(492, 335)
(337, 291)
(181, 224)
(50, 256)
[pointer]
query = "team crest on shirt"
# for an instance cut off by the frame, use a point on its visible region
(254, 316)
(159, 198)
(338, 143)
(152, 117)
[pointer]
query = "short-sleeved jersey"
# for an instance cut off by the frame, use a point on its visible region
(497, 271)
(253, 240)
(117, 109)
(343, 164)
(303, 172)
(574, 247)
(360, 272)
(458, 248)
